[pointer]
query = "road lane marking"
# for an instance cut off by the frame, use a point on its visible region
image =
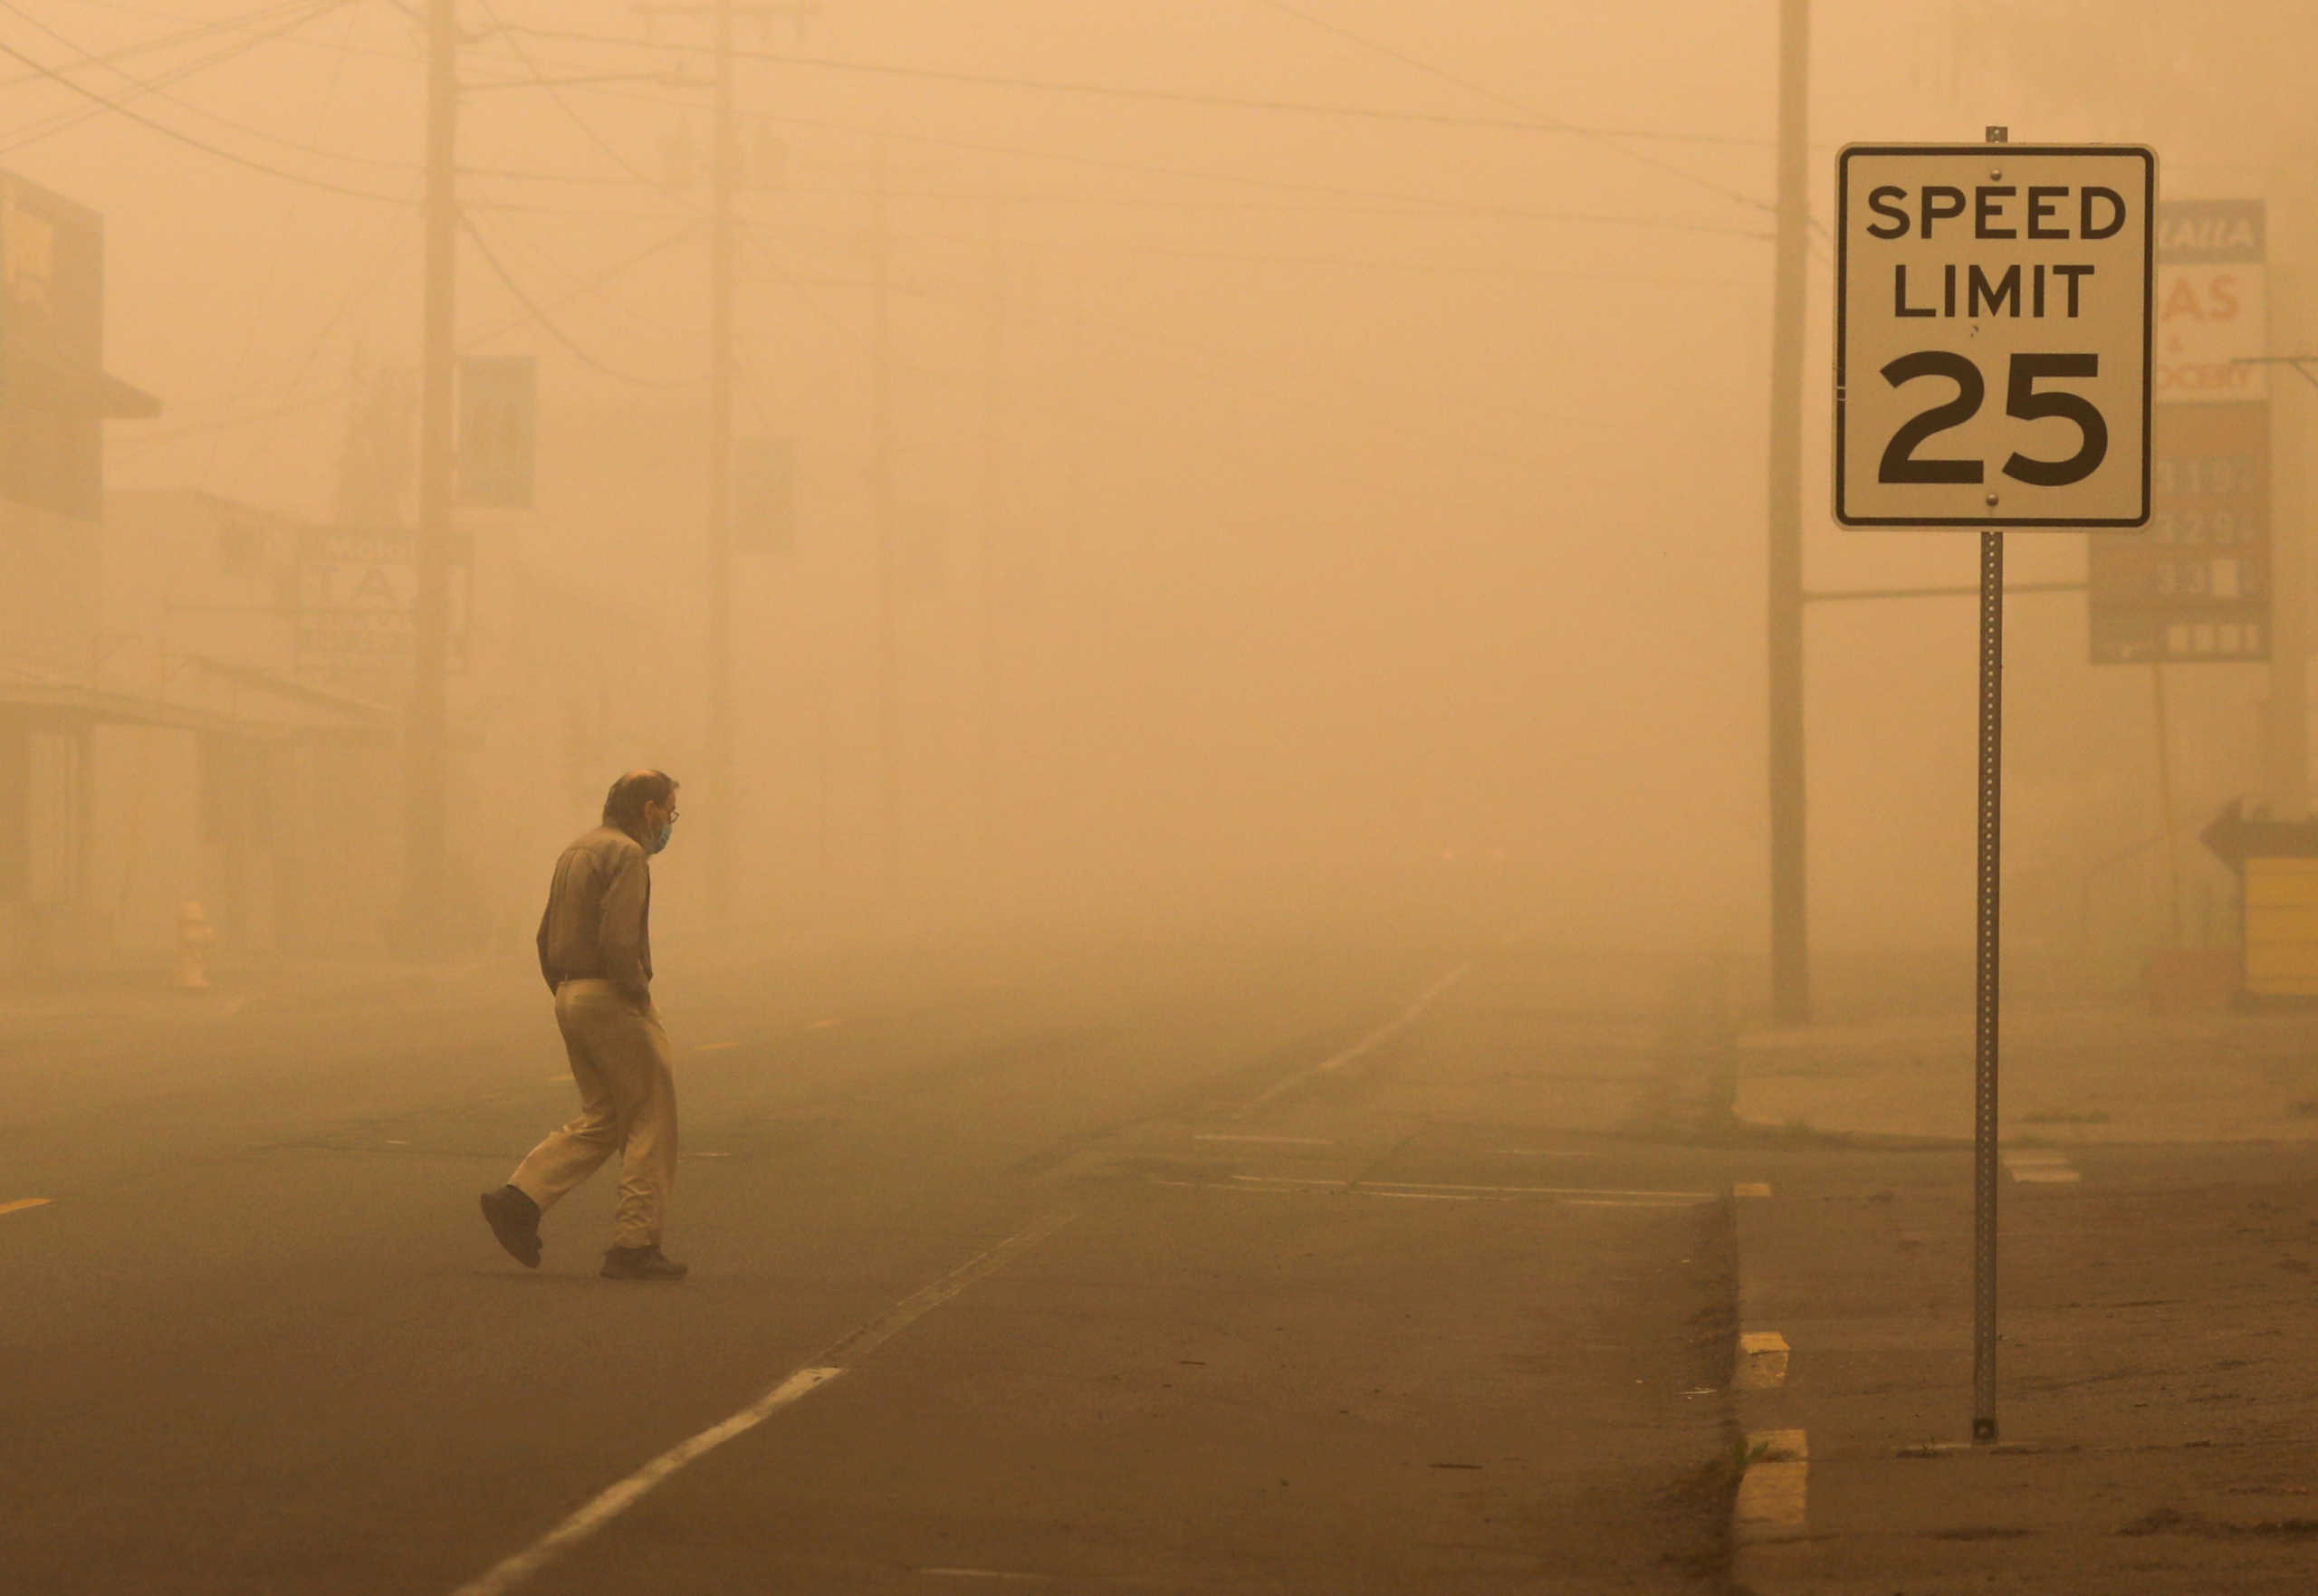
(1492, 1190)
(1751, 1188)
(1774, 1494)
(1542, 1190)
(2042, 1168)
(1762, 1360)
(845, 1353)
(1538, 1153)
(1268, 1140)
(983, 1574)
(716, 1047)
(1423, 1196)
(1362, 1048)
(825, 1025)
(24, 1203)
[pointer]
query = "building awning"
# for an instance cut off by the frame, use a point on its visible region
(38, 690)
(289, 704)
(125, 401)
(73, 386)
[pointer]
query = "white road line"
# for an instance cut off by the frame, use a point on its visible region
(1751, 1188)
(1540, 1191)
(22, 1203)
(1538, 1153)
(1366, 1045)
(1604, 1197)
(1267, 1141)
(716, 1047)
(1422, 1196)
(834, 1361)
(825, 1025)
(983, 1574)
(2036, 1167)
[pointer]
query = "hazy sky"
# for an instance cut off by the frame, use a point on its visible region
(1391, 483)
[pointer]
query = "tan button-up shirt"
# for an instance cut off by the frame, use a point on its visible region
(598, 919)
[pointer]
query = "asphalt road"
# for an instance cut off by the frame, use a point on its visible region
(1136, 1267)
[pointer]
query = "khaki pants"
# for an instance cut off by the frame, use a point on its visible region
(627, 1104)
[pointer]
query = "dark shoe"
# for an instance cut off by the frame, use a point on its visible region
(640, 1263)
(515, 1219)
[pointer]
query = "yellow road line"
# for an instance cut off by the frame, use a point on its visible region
(1762, 1360)
(1774, 1494)
(23, 1202)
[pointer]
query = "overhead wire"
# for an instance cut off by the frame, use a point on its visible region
(235, 157)
(241, 23)
(275, 263)
(555, 93)
(169, 41)
(1436, 203)
(1207, 98)
(1475, 268)
(148, 88)
(48, 127)
(538, 314)
(1592, 135)
(468, 343)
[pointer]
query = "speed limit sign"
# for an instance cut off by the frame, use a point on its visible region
(1992, 335)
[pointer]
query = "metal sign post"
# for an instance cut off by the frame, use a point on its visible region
(1988, 967)
(1964, 273)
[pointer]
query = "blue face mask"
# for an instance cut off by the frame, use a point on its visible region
(660, 839)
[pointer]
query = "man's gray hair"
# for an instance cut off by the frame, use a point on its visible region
(624, 804)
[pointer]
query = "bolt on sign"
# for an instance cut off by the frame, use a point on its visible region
(2195, 588)
(1992, 335)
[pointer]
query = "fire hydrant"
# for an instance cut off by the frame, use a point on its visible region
(195, 935)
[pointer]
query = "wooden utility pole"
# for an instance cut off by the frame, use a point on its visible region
(1790, 940)
(718, 777)
(881, 510)
(424, 762)
(721, 811)
(993, 342)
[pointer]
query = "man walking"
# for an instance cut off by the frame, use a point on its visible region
(595, 952)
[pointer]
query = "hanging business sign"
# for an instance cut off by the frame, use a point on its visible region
(357, 604)
(1993, 347)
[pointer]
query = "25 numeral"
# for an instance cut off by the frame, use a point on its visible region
(2021, 400)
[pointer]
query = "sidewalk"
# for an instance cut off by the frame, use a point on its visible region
(135, 993)
(2113, 1074)
(2159, 1289)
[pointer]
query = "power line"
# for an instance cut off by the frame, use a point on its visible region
(166, 132)
(275, 257)
(169, 41)
(475, 340)
(538, 314)
(1431, 70)
(1478, 267)
(47, 127)
(1123, 92)
(1190, 174)
(156, 91)
(555, 93)
(241, 23)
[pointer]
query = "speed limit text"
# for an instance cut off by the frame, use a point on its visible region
(2054, 212)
